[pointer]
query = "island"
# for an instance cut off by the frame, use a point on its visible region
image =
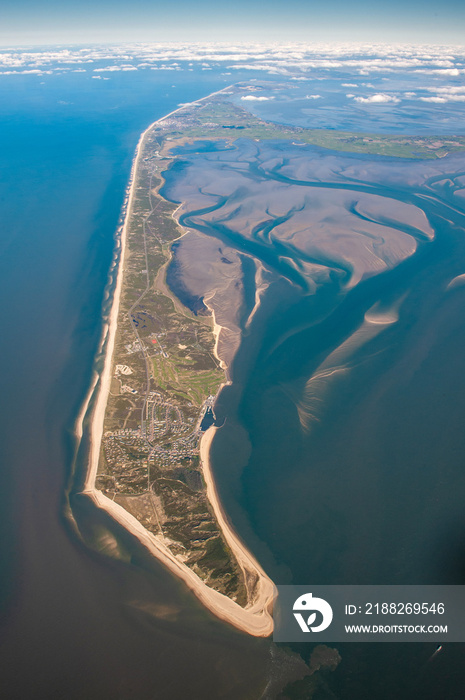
(182, 302)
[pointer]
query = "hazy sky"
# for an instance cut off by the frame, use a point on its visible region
(86, 21)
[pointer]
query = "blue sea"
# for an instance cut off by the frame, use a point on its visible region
(77, 624)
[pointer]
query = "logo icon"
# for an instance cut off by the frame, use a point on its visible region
(308, 604)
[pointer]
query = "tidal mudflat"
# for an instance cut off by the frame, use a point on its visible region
(334, 278)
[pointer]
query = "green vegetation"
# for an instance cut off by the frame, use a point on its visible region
(164, 371)
(181, 376)
(207, 122)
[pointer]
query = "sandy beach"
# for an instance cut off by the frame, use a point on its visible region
(255, 618)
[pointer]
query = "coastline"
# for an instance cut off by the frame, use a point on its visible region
(255, 618)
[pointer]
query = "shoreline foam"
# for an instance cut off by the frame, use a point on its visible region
(255, 618)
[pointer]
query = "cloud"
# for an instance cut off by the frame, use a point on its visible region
(379, 98)
(33, 71)
(446, 93)
(448, 89)
(433, 99)
(256, 98)
(266, 67)
(292, 60)
(454, 72)
(112, 69)
(440, 99)
(312, 97)
(448, 71)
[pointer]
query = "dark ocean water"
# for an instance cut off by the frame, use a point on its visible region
(80, 625)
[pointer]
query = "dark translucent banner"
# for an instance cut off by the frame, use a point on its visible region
(370, 614)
